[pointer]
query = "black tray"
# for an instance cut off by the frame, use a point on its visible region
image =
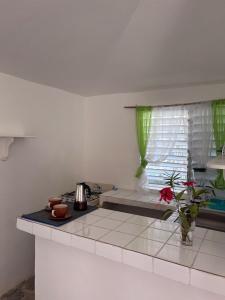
(43, 216)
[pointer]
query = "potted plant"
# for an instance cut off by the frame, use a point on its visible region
(188, 202)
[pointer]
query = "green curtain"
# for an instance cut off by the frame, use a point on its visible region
(143, 123)
(218, 109)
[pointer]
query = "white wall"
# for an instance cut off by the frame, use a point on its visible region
(87, 276)
(36, 168)
(111, 154)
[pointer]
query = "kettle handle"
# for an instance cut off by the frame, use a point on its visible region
(87, 187)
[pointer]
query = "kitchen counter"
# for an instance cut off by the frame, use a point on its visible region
(147, 244)
(131, 197)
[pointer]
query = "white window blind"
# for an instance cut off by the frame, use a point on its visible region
(167, 149)
(181, 137)
(201, 141)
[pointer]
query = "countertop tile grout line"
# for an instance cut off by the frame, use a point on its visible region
(111, 230)
(165, 243)
(198, 251)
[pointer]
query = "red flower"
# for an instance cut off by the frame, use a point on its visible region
(189, 183)
(166, 194)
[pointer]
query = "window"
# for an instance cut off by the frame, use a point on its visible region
(181, 138)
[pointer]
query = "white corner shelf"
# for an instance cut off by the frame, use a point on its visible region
(6, 141)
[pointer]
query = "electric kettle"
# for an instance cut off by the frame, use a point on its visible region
(83, 191)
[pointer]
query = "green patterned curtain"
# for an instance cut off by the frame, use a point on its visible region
(143, 123)
(218, 109)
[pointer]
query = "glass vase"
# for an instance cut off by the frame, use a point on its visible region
(187, 233)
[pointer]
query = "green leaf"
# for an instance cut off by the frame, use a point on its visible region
(180, 195)
(194, 209)
(204, 203)
(184, 222)
(167, 213)
(197, 193)
(172, 179)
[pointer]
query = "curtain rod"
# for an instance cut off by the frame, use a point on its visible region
(169, 105)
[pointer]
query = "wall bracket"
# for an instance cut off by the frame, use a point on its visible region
(6, 142)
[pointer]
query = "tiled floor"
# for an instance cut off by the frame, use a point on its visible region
(25, 291)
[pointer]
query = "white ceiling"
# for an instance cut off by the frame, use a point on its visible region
(93, 47)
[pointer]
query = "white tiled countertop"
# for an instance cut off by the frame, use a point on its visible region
(144, 243)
